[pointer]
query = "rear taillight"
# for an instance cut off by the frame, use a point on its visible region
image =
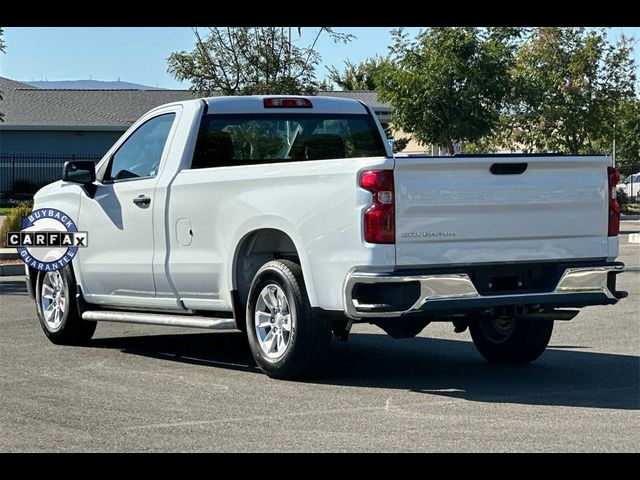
(614, 206)
(379, 219)
(287, 103)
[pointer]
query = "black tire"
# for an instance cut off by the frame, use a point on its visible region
(522, 342)
(309, 336)
(72, 330)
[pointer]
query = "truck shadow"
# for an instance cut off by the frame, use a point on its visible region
(448, 368)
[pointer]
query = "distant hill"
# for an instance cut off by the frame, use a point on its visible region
(90, 85)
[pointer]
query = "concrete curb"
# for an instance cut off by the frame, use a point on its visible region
(12, 270)
(634, 238)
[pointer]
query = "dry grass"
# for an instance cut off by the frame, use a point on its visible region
(13, 222)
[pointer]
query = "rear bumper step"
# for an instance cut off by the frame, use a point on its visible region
(444, 293)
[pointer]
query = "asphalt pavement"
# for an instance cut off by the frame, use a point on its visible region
(143, 388)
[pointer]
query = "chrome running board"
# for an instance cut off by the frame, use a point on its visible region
(165, 319)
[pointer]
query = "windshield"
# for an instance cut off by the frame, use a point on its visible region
(244, 139)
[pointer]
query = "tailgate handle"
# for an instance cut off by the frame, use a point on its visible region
(508, 168)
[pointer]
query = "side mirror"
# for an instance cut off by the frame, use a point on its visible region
(83, 172)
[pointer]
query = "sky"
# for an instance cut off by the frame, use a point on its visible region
(139, 55)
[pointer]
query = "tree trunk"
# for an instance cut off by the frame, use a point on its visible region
(449, 145)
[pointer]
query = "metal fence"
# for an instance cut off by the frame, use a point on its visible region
(22, 173)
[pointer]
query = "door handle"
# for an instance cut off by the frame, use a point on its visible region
(508, 168)
(142, 200)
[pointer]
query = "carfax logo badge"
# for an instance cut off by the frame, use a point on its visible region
(48, 240)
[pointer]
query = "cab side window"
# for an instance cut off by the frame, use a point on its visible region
(140, 155)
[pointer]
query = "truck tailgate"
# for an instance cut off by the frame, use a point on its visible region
(454, 210)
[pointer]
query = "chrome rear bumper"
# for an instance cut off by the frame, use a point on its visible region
(440, 290)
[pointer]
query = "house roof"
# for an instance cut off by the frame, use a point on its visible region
(25, 106)
(28, 107)
(368, 97)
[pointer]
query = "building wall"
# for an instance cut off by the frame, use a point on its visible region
(57, 141)
(413, 146)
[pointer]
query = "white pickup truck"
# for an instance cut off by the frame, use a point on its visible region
(290, 218)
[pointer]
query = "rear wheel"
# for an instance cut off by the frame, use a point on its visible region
(286, 339)
(511, 340)
(56, 305)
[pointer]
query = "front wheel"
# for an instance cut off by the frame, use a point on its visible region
(511, 340)
(287, 341)
(56, 305)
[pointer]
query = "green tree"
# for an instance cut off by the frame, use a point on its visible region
(362, 76)
(449, 84)
(569, 83)
(625, 134)
(250, 60)
(358, 76)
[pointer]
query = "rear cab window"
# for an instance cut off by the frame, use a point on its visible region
(246, 139)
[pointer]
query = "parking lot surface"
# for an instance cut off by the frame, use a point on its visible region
(143, 388)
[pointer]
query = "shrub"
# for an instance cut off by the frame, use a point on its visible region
(10, 202)
(13, 222)
(623, 198)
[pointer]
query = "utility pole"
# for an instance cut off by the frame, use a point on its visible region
(614, 143)
(289, 59)
(614, 134)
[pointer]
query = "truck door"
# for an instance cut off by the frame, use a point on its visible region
(118, 262)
